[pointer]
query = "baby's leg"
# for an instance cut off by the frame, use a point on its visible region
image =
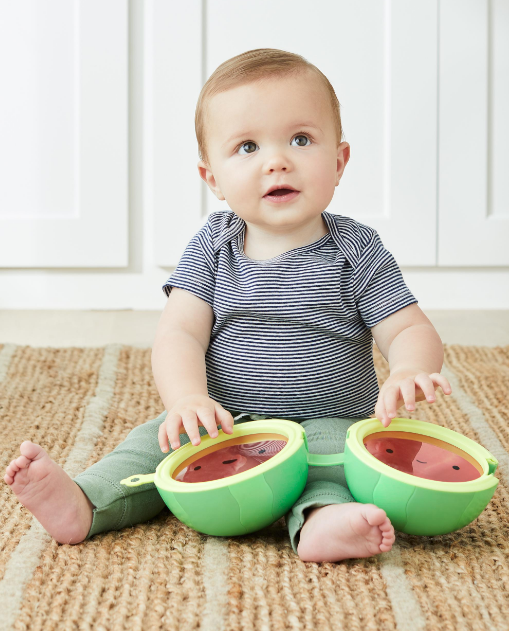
(326, 524)
(95, 501)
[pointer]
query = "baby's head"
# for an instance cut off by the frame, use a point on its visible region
(268, 118)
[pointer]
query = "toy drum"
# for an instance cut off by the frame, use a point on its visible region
(428, 479)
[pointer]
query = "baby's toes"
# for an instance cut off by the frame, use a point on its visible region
(375, 516)
(10, 472)
(22, 462)
(388, 538)
(31, 450)
(9, 475)
(386, 544)
(386, 527)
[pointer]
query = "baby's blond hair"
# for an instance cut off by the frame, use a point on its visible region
(251, 66)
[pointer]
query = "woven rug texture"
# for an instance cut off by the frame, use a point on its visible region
(80, 403)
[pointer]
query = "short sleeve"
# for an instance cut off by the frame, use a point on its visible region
(195, 271)
(378, 284)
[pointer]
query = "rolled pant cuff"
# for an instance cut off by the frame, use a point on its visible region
(108, 499)
(319, 493)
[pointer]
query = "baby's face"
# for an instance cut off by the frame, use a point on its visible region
(277, 131)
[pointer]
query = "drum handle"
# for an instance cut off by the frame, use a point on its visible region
(326, 460)
(138, 479)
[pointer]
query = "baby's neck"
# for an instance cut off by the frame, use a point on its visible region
(261, 244)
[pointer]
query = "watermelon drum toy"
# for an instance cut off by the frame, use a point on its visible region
(429, 479)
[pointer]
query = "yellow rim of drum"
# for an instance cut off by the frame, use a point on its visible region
(361, 430)
(290, 430)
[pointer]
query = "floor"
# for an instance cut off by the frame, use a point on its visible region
(137, 328)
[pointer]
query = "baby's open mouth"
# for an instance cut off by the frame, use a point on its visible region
(281, 191)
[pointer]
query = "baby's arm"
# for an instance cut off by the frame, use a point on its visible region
(409, 342)
(178, 364)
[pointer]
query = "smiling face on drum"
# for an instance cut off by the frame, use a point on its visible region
(423, 456)
(229, 460)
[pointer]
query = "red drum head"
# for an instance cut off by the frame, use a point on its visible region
(230, 457)
(423, 456)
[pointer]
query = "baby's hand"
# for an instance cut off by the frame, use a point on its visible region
(407, 386)
(191, 411)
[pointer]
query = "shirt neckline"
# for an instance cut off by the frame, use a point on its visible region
(302, 248)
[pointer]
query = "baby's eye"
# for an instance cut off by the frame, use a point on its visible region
(302, 136)
(250, 144)
(247, 144)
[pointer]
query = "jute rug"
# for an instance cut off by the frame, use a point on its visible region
(80, 403)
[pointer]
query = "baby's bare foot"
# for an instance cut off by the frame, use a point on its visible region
(50, 494)
(345, 531)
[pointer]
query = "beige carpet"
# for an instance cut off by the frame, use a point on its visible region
(80, 403)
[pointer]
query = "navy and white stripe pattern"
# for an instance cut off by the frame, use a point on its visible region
(291, 336)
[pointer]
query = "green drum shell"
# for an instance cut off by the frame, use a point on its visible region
(418, 506)
(243, 503)
(251, 500)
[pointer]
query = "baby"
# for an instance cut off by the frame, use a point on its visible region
(271, 313)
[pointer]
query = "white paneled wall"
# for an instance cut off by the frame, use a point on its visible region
(63, 131)
(474, 131)
(99, 187)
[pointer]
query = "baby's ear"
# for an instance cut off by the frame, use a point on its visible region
(204, 170)
(218, 193)
(208, 177)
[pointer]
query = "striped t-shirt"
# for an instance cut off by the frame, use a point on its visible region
(291, 335)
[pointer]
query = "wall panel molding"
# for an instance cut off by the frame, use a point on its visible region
(64, 198)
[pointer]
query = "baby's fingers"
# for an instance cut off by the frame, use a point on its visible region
(407, 387)
(426, 385)
(225, 419)
(190, 420)
(208, 420)
(380, 412)
(391, 397)
(441, 381)
(169, 429)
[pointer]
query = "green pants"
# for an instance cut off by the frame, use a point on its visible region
(118, 506)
